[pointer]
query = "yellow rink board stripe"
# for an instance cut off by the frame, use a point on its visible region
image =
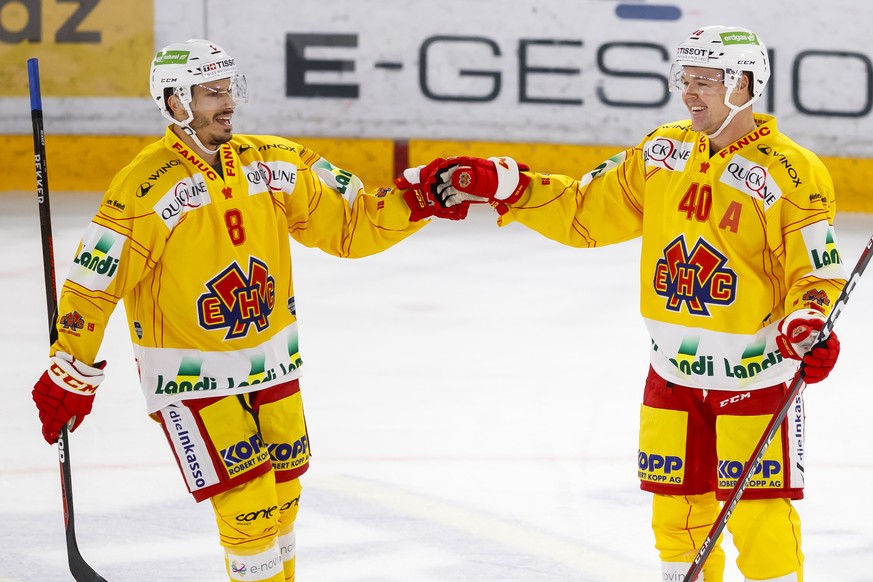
(81, 163)
(852, 176)
(88, 163)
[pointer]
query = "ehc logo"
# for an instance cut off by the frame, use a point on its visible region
(236, 301)
(695, 278)
(72, 321)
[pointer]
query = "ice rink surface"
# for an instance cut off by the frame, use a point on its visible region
(472, 398)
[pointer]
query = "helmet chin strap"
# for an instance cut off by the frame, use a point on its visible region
(193, 135)
(734, 110)
(187, 128)
(725, 123)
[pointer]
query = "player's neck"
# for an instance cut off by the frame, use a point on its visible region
(742, 124)
(210, 158)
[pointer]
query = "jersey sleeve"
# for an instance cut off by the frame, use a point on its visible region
(330, 209)
(117, 249)
(814, 270)
(604, 207)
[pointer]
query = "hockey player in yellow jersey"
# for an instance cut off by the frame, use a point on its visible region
(739, 267)
(193, 235)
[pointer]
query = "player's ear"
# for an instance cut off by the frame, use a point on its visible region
(173, 104)
(745, 81)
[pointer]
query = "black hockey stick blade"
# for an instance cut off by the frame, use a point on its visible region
(770, 432)
(79, 568)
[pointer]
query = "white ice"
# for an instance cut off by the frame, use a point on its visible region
(472, 398)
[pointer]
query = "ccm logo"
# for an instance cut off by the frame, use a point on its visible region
(735, 399)
(62, 377)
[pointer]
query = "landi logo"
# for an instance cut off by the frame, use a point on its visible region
(187, 379)
(821, 245)
(688, 362)
(98, 258)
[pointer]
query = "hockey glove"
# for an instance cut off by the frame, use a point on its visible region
(798, 333)
(496, 181)
(421, 204)
(64, 394)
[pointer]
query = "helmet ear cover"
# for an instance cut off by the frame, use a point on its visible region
(180, 93)
(183, 93)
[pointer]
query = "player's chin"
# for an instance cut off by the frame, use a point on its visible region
(223, 133)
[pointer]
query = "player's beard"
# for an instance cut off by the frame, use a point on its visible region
(210, 132)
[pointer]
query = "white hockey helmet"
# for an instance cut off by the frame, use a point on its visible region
(177, 67)
(731, 49)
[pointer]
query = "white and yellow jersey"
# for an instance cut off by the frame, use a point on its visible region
(731, 243)
(202, 261)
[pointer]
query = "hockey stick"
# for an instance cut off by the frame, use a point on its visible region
(796, 386)
(80, 569)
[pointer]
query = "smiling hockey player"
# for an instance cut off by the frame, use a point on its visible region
(739, 266)
(193, 235)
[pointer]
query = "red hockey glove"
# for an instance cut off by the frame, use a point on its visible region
(496, 181)
(797, 340)
(820, 360)
(64, 394)
(421, 204)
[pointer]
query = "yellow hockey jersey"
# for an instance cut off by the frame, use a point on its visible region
(202, 260)
(732, 241)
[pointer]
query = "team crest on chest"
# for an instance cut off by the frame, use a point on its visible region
(697, 278)
(236, 301)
